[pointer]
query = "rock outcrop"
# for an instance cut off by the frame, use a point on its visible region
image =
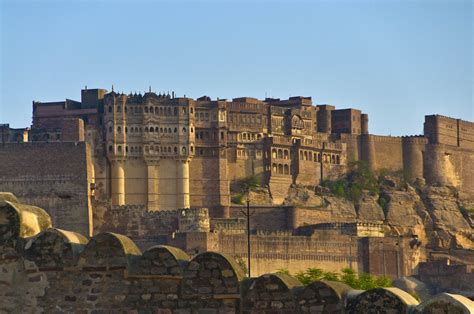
(439, 216)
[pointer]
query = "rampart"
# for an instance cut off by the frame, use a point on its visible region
(49, 270)
(53, 176)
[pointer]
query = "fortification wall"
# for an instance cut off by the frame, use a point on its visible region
(260, 218)
(209, 184)
(279, 250)
(48, 270)
(449, 131)
(54, 176)
(382, 152)
(449, 165)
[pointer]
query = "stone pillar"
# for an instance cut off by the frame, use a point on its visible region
(118, 183)
(182, 184)
(153, 203)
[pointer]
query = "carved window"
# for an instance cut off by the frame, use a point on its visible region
(286, 169)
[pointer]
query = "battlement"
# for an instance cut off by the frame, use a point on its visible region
(44, 269)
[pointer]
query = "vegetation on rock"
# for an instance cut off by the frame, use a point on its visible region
(363, 281)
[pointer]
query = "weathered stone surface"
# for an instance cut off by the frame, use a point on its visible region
(368, 208)
(414, 287)
(446, 303)
(323, 297)
(272, 293)
(389, 300)
(19, 221)
(299, 195)
(55, 248)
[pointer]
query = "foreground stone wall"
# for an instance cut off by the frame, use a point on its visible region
(43, 269)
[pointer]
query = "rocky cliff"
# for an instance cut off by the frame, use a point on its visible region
(441, 216)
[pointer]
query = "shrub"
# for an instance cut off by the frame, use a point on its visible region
(359, 178)
(348, 276)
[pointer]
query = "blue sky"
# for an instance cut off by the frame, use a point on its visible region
(395, 60)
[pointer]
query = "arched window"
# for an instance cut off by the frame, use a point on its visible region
(169, 149)
(305, 154)
(156, 110)
(184, 130)
(169, 130)
(146, 129)
(110, 108)
(161, 111)
(111, 149)
(119, 148)
(126, 130)
(285, 153)
(274, 153)
(146, 109)
(274, 168)
(119, 129)
(169, 111)
(192, 149)
(192, 110)
(175, 149)
(319, 157)
(338, 159)
(161, 130)
(280, 154)
(126, 149)
(151, 129)
(310, 156)
(333, 159)
(166, 130)
(175, 130)
(192, 130)
(286, 169)
(280, 169)
(183, 150)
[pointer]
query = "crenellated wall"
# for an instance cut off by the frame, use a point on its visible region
(44, 269)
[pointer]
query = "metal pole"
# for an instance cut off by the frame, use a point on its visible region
(248, 234)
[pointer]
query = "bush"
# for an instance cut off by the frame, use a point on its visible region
(348, 276)
(358, 178)
(238, 199)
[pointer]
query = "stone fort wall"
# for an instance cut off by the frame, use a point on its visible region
(442, 158)
(47, 270)
(53, 176)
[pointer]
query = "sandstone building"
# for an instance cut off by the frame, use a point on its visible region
(167, 152)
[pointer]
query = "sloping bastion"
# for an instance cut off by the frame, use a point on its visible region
(44, 269)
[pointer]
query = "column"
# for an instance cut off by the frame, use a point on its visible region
(152, 193)
(118, 183)
(182, 184)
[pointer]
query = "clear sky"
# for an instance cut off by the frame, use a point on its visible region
(395, 60)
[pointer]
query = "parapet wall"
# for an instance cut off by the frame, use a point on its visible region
(49, 270)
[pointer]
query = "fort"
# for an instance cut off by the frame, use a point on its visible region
(162, 169)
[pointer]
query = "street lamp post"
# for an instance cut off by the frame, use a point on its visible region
(248, 214)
